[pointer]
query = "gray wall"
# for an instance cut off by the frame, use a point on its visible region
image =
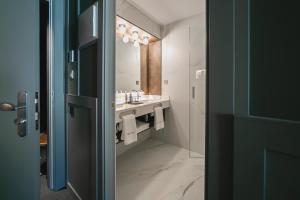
(184, 52)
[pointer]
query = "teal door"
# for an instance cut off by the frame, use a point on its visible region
(267, 101)
(19, 64)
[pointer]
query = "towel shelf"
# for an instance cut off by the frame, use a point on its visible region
(141, 127)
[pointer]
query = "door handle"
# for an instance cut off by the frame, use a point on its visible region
(193, 92)
(9, 107)
(19, 122)
(21, 108)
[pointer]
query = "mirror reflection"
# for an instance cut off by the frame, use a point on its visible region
(138, 59)
(128, 69)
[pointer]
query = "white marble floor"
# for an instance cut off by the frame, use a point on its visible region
(154, 170)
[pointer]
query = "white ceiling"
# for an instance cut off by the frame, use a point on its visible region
(167, 11)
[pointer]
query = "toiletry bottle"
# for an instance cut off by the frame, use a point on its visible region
(126, 97)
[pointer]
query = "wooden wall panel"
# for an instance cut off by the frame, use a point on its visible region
(154, 68)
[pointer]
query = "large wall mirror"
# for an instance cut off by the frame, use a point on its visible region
(138, 59)
(128, 66)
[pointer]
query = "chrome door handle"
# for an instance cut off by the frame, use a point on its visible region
(10, 107)
(21, 108)
(20, 121)
(193, 92)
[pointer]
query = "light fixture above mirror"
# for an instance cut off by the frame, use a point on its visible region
(135, 35)
(122, 28)
(131, 33)
(125, 38)
(145, 40)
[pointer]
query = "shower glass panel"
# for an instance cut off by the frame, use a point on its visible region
(197, 85)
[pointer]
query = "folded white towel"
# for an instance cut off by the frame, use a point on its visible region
(158, 118)
(129, 133)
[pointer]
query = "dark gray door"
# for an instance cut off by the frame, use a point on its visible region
(83, 83)
(90, 99)
(267, 128)
(19, 64)
(82, 146)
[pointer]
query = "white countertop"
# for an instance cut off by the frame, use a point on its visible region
(148, 105)
(125, 107)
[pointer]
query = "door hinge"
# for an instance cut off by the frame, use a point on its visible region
(36, 113)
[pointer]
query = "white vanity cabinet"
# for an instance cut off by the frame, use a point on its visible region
(146, 107)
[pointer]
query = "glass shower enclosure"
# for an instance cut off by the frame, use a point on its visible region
(197, 85)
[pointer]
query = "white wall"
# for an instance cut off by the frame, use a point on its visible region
(135, 16)
(128, 69)
(184, 52)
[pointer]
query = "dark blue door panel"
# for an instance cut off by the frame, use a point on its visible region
(19, 65)
(267, 121)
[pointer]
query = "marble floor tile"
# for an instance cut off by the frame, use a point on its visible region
(154, 170)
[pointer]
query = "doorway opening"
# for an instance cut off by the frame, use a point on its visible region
(53, 168)
(160, 97)
(44, 24)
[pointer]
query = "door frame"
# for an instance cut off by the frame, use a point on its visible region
(106, 94)
(56, 96)
(220, 99)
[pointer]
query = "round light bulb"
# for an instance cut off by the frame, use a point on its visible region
(146, 40)
(125, 39)
(136, 44)
(122, 28)
(135, 35)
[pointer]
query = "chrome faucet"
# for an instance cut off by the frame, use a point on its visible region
(132, 95)
(138, 95)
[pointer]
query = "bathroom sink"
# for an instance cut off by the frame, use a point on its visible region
(136, 102)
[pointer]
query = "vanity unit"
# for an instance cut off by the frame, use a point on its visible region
(145, 107)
